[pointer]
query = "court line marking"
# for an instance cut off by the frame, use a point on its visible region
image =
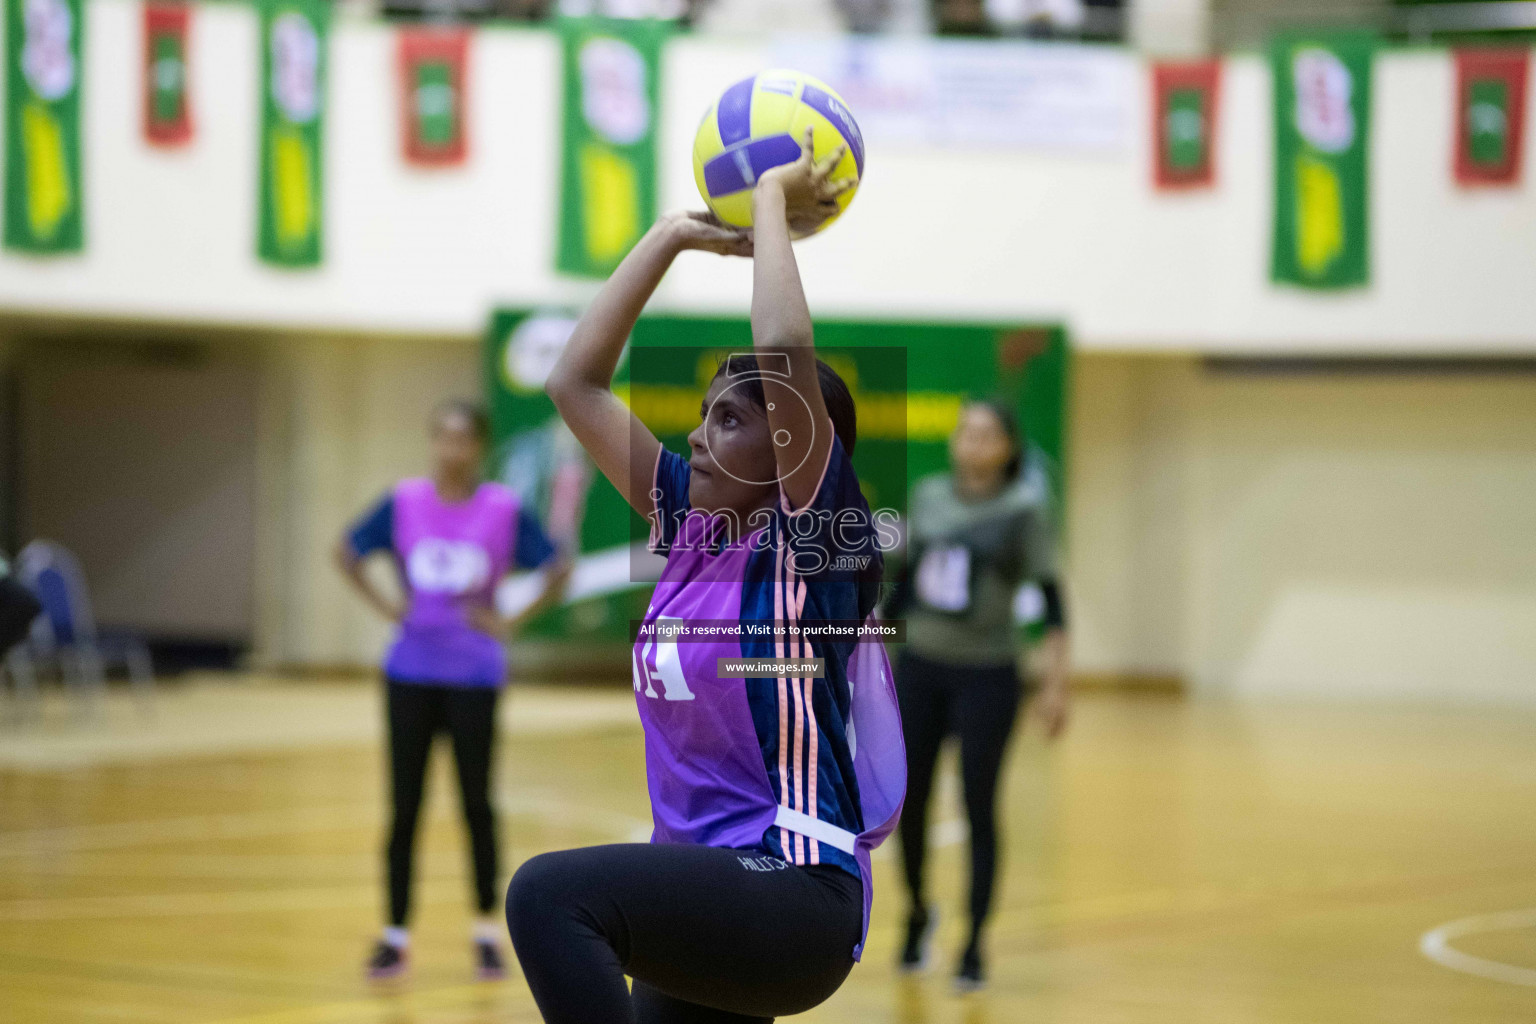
(541, 804)
(396, 1005)
(1436, 945)
(191, 828)
(246, 825)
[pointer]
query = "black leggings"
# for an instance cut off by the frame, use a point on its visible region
(711, 936)
(979, 704)
(417, 713)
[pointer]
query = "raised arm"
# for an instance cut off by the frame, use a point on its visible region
(794, 196)
(581, 383)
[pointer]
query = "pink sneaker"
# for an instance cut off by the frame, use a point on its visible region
(387, 962)
(489, 965)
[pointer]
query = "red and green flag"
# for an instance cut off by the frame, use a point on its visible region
(1490, 115)
(433, 102)
(293, 73)
(1322, 90)
(43, 70)
(608, 146)
(167, 109)
(1185, 99)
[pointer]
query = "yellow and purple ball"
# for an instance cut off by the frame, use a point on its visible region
(757, 124)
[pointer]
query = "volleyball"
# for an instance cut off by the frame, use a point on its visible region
(757, 124)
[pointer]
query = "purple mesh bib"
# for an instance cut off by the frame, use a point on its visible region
(704, 767)
(450, 554)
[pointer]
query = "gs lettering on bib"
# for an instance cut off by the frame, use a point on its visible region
(452, 555)
(439, 566)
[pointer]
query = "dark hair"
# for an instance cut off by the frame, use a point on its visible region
(834, 394)
(479, 422)
(1008, 419)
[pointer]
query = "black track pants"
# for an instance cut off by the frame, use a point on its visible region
(711, 936)
(980, 706)
(417, 713)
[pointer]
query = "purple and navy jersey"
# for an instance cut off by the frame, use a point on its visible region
(450, 555)
(813, 565)
(375, 531)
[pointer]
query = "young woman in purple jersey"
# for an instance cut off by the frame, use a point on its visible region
(768, 792)
(452, 537)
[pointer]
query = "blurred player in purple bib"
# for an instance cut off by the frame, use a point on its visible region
(452, 537)
(771, 776)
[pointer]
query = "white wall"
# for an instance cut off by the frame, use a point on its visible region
(144, 465)
(948, 233)
(1365, 537)
(1347, 536)
(1171, 28)
(342, 419)
(1360, 537)
(1352, 536)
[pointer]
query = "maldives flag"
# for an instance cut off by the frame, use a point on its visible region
(167, 111)
(1490, 115)
(1184, 104)
(433, 104)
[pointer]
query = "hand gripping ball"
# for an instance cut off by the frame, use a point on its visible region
(757, 124)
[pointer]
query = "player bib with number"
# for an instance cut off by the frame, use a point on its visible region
(944, 578)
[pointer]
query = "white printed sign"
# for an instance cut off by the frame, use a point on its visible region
(1021, 95)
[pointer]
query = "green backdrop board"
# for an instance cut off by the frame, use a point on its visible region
(908, 381)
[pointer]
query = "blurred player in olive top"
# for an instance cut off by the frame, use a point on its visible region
(974, 536)
(452, 537)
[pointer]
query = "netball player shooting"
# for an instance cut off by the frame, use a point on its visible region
(752, 899)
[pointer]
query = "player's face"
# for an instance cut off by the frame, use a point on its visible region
(456, 448)
(979, 446)
(731, 453)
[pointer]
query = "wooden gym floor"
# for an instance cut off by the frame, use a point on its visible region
(1170, 861)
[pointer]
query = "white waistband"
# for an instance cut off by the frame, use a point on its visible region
(815, 828)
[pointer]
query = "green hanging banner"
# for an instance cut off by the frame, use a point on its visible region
(1322, 87)
(608, 146)
(293, 66)
(42, 125)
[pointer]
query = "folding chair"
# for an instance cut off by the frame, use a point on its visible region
(18, 608)
(65, 635)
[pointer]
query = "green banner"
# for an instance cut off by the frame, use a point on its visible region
(293, 72)
(1322, 87)
(43, 202)
(908, 381)
(608, 144)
